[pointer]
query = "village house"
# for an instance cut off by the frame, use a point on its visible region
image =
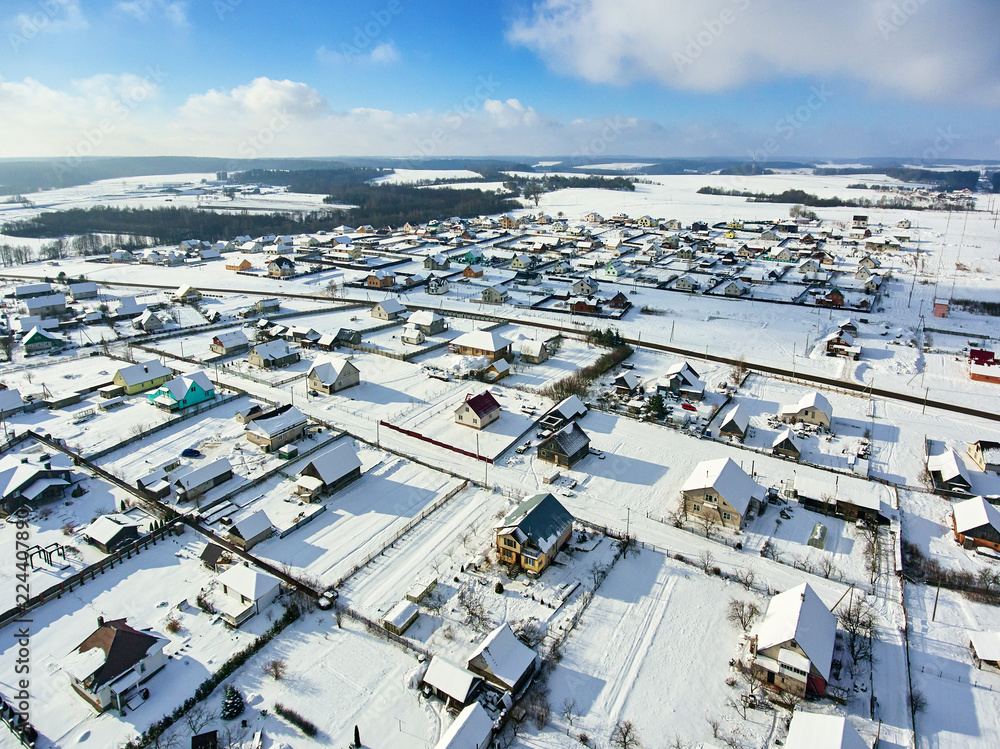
(532, 534)
(194, 484)
(735, 288)
(626, 384)
(112, 662)
(183, 392)
(277, 428)
(32, 479)
(948, 473)
(735, 423)
(976, 522)
(110, 532)
(187, 295)
(821, 731)
(400, 617)
(245, 592)
(494, 295)
(682, 381)
(792, 645)
(584, 287)
(329, 472)
(437, 285)
(616, 269)
(833, 298)
(478, 411)
(786, 444)
(503, 660)
(31, 290)
(841, 343)
(148, 322)
(11, 402)
(273, 355)
(437, 262)
(267, 306)
(430, 322)
(388, 309)
(481, 343)
(453, 684)
(83, 290)
(251, 530)
(566, 447)
(142, 376)
(380, 279)
(722, 491)
(38, 341)
(412, 334)
(686, 283)
(473, 271)
(844, 497)
(533, 352)
(52, 305)
(333, 375)
(521, 262)
(230, 343)
(813, 408)
(584, 306)
(281, 267)
(985, 454)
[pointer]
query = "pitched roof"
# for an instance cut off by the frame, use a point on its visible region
(425, 317)
(204, 474)
(277, 421)
(273, 350)
(818, 731)
(330, 369)
(728, 480)
(135, 374)
(570, 439)
(570, 408)
(813, 400)
(472, 729)
(334, 464)
(949, 465)
(391, 306)
(738, 418)
(506, 657)
(540, 519)
(986, 644)
(232, 339)
(248, 581)
(252, 525)
(482, 404)
(799, 614)
(106, 527)
(482, 340)
(114, 648)
(454, 681)
(975, 513)
(179, 386)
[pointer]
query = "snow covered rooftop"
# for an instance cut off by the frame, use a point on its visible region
(798, 614)
(507, 658)
(482, 340)
(252, 525)
(975, 513)
(454, 681)
(728, 480)
(136, 374)
(949, 465)
(329, 369)
(472, 729)
(273, 424)
(540, 519)
(204, 474)
(570, 408)
(104, 529)
(334, 464)
(248, 582)
(986, 645)
(818, 731)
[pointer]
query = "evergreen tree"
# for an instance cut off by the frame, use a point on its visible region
(232, 704)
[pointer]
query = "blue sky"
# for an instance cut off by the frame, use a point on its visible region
(782, 79)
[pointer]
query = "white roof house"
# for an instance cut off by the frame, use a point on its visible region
(482, 340)
(986, 645)
(472, 729)
(949, 466)
(249, 582)
(10, 402)
(454, 681)
(506, 658)
(334, 464)
(727, 480)
(105, 528)
(813, 400)
(570, 408)
(798, 614)
(252, 525)
(819, 731)
(974, 513)
(136, 374)
(329, 370)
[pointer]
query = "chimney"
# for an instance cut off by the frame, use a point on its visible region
(100, 621)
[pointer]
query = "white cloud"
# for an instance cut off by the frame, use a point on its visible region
(921, 49)
(381, 54)
(174, 11)
(47, 18)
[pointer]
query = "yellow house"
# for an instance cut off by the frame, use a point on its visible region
(534, 532)
(143, 376)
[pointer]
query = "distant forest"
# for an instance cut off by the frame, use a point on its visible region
(955, 180)
(800, 197)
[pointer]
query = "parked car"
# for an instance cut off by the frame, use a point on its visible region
(190, 452)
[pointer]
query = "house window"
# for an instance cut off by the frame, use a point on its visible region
(726, 516)
(509, 542)
(696, 508)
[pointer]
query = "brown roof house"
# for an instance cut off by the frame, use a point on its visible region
(534, 532)
(478, 411)
(112, 662)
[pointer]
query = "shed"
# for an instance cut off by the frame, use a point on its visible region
(400, 617)
(453, 684)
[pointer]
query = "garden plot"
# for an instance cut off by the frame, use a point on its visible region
(59, 377)
(653, 648)
(571, 355)
(149, 590)
(359, 519)
(276, 375)
(777, 292)
(519, 411)
(62, 522)
(927, 524)
(962, 703)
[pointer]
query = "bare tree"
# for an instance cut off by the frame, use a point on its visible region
(198, 717)
(678, 516)
(714, 724)
(707, 561)
(597, 573)
(508, 736)
(568, 710)
(857, 619)
(827, 568)
(275, 668)
(770, 551)
(471, 602)
(746, 576)
(707, 522)
(738, 370)
(232, 736)
(871, 550)
(625, 736)
(742, 613)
